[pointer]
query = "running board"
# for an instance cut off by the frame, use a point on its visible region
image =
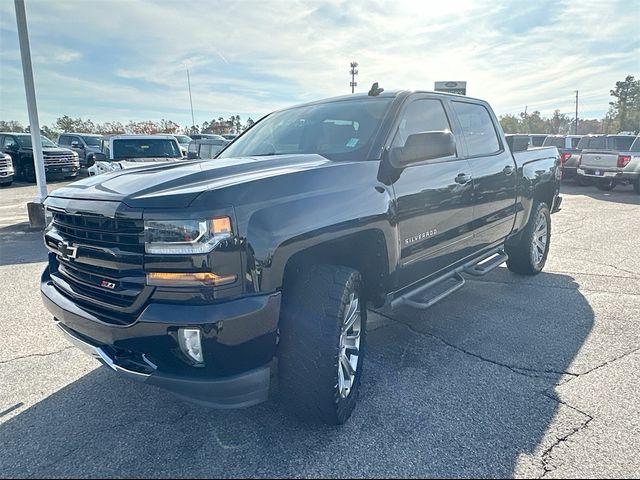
(427, 295)
(486, 263)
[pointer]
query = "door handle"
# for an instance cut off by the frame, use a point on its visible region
(508, 170)
(463, 178)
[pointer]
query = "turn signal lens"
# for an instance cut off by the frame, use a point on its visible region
(163, 279)
(221, 225)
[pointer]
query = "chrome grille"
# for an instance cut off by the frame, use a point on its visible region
(60, 160)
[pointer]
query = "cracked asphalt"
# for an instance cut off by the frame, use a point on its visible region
(509, 377)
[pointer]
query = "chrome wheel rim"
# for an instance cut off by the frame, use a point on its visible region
(539, 243)
(349, 346)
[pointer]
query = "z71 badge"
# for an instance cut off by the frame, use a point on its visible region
(421, 236)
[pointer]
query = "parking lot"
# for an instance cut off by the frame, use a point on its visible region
(511, 376)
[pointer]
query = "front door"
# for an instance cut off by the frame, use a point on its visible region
(433, 199)
(494, 174)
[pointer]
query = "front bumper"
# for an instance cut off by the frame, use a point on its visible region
(239, 339)
(6, 176)
(66, 171)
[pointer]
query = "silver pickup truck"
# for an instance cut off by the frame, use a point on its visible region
(6, 170)
(615, 161)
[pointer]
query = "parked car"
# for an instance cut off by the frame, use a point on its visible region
(200, 136)
(195, 276)
(536, 140)
(206, 147)
(6, 170)
(568, 147)
(58, 162)
(183, 141)
(120, 152)
(82, 143)
(612, 160)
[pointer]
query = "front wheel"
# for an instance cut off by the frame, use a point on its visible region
(528, 254)
(322, 339)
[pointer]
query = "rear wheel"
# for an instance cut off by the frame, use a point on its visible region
(29, 173)
(636, 185)
(322, 339)
(529, 254)
(606, 184)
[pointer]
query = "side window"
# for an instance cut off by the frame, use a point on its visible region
(64, 140)
(575, 142)
(9, 142)
(477, 128)
(421, 116)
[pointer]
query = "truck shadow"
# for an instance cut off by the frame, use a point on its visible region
(455, 391)
(19, 245)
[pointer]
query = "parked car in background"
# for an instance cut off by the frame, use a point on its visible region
(275, 250)
(130, 151)
(6, 170)
(200, 136)
(612, 160)
(536, 140)
(206, 147)
(83, 144)
(183, 141)
(567, 145)
(58, 162)
(230, 136)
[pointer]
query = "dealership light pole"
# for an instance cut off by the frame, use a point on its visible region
(576, 127)
(193, 121)
(353, 72)
(35, 208)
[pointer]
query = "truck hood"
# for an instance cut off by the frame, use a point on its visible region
(54, 150)
(177, 185)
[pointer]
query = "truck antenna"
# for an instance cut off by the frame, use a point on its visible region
(375, 90)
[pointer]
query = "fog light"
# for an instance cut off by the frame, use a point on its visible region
(191, 344)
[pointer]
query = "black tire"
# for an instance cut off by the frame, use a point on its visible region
(606, 184)
(636, 186)
(521, 252)
(315, 300)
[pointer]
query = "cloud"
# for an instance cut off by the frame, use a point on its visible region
(122, 60)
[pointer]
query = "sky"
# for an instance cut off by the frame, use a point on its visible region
(114, 60)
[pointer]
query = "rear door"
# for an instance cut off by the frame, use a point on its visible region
(433, 198)
(494, 173)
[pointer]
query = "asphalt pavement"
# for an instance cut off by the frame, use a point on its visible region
(509, 377)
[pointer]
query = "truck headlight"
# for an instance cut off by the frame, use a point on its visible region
(185, 237)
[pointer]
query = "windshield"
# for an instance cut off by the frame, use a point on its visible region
(145, 148)
(183, 138)
(25, 141)
(341, 130)
(554, 142)
(91, 141)
(592, 142)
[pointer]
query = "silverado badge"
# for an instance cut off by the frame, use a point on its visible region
(106, 284)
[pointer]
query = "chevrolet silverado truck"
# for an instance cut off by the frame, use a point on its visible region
(615, 160)
(120, 152)
(205, 277)
(58, 162)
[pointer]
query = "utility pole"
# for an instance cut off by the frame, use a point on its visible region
(353, 72)
(193, 121)
(526, 124)
(575, 131)
(35, 208)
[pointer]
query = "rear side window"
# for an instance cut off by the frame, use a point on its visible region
(477, 128)
(622, 144)
(426, 115)
(554, 142)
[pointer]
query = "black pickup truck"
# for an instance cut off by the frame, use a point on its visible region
(204, 277)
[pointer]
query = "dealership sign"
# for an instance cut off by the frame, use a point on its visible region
(452, 87)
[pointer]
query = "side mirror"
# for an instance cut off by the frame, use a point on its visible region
(97, 157)
(423, 146)
(76, 144)
(192, 155)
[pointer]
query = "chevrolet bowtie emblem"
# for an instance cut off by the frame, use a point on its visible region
(67, 252)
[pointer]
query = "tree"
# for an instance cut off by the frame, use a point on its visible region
(510, 123)
(249, 123)
(625, 109)
(11, 126)
(559, 123)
